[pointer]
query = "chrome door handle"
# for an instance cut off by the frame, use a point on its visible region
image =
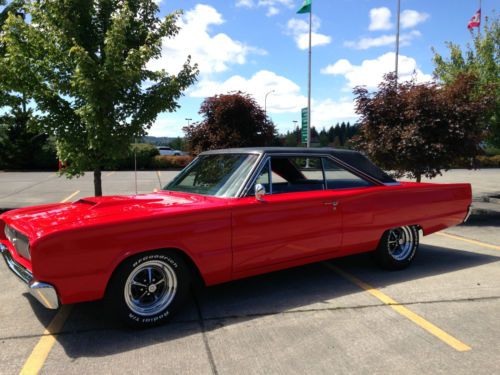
(334, 204)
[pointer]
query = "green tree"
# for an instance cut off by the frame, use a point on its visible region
(84, 63)
(419, 129)
(323, 138)
(21, 145)
(482, 59)
(178, 144)
(230, 120)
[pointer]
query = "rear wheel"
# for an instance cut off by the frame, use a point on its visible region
(397, 247)
(148, 288)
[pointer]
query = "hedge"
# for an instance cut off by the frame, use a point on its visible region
(167, 162)
(145, 154)
(488, 161)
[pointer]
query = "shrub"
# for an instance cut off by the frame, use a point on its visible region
(488, 161)
(166, 162)
(145, 153)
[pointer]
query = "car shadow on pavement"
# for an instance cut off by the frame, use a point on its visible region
(91, 331)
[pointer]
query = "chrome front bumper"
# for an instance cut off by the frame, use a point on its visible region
(44, 293)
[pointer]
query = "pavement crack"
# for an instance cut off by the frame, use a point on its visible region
(201, 320)
(27, 187)
(204, 335)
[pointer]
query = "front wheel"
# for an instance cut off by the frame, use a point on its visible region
(397, 247)
(148, 288)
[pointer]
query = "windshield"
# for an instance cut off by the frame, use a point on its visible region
(218, 175)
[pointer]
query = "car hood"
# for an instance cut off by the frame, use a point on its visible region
(39, 220)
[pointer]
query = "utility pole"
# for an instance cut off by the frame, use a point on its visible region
(188, 120)
(397, 40)
(480, 16)
(307, 8)
(309, 85)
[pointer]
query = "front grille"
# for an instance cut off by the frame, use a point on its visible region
(20, 242)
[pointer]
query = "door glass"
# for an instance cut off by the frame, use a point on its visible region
(296, 174)
(339, 178)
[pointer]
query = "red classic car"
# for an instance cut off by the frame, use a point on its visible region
(229, 214)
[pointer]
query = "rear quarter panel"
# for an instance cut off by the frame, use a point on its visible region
(368, 214)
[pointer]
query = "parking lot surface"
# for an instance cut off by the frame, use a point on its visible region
(342, 316)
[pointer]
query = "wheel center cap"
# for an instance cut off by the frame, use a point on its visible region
(152, 288)
(401, 241)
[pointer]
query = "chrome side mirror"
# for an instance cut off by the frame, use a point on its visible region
(260, 191)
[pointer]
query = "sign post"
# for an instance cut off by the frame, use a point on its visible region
(305, 125)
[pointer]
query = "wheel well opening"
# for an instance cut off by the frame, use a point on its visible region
(195, 272)
(197, 279)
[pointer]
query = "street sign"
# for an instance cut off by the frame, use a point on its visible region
(304, 124)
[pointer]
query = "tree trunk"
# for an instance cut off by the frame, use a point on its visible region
(419, 177)
(97, 182)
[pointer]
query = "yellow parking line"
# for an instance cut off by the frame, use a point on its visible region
(407, 313)
(40, 352)
(70, 196)
(474, 242)
(110, 173)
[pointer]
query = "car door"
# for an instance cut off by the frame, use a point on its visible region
(297, 218)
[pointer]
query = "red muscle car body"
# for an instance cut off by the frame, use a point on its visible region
(73, 249)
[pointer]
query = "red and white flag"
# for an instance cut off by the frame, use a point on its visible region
(475, 21)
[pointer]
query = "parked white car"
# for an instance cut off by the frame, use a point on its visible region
(165, 150)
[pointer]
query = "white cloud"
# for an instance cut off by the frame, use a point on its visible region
(383, 40)
(271, 11)
(245, 3)
(411, 18)
(272, 6)
(164, 127)
(329, 111)
(370, 72)
(380, 19)
(299, 29)
(212, 52)
(285, 98)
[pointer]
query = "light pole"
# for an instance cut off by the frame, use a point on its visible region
(188, 120)
(397, 41)
(265, 102)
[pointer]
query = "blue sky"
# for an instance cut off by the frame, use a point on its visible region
(258, 45)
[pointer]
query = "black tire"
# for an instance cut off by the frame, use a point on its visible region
(397, 248)
(137, 294)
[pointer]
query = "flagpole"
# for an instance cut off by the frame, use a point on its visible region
(397, 41)
(309, 85)
(480, 17)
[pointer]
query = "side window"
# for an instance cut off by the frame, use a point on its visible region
(296, 174)
(339, 178)
(262, 178)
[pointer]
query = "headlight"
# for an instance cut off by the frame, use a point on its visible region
(20, 242)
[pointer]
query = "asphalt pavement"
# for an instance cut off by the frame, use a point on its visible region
(342, 316)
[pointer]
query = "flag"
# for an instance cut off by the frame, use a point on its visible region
(306, 7)
(475, 21)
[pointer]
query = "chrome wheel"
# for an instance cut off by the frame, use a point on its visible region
(150, 288)
(400, 243)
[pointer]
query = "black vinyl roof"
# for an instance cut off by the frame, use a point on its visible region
(354, 159)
